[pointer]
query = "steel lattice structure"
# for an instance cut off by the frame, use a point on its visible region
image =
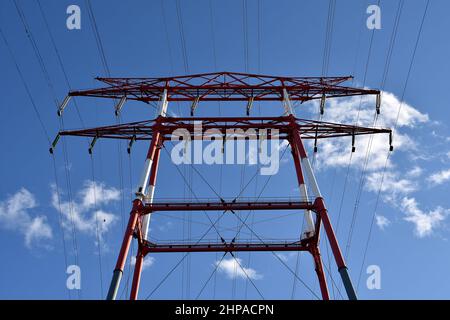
(226, 86)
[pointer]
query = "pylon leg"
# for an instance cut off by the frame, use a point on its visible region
(342, 268)
(137, 275)
(118, 271)
(136, 213)
(151, 188)
(309, 230)
(320, 274)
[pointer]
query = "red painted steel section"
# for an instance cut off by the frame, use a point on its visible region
(224, 86)
(315, 252)
(136, 276)
(144, 130)
(153, 154)
(137, 208)
(298, 167)
(227, 206)
(220, 247)
(322, 211)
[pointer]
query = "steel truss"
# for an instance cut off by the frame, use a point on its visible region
(230, 87)
(224, 86)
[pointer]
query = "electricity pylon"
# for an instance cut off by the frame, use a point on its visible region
(227, 86)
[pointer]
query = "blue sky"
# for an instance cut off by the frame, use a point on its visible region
(410, 239)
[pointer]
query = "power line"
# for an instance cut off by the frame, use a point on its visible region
(369, 146)
(411, 64)
(60, 61)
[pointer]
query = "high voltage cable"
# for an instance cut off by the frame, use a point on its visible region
(357, 120)
(97, 230)
(243, 167)
(369, 146)
(97, 37)
(36, 111)
(328, 37)
(106, 68)
(60, 216)
(258, 39)
(46, 76)
(169, 47)
(213, 40)
(60, 61)
(186, 69)
(416, 45)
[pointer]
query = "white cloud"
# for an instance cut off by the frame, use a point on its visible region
(415, 172)
(230, 267)
(97, 193)
(424, 223)
(14, 215)
(439, 177)
(382, 222)
(83, 214)
(393, 185)
(147, 262)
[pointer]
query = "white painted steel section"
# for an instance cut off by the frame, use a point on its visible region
(146, 220)
(63, 105)
(287, 105)
(306, 165)
(147, 195)
(120, 105)
(308, 229)
(162, 105)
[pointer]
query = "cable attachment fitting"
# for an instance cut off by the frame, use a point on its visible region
(120, 105)
(91, 146)
(391, 147)
(322, 104)
(249, 105)
(315, 139)
(133, 139)
(378, 103)
(55, 141)
(353, 142)
(194, 105)
(63, 105)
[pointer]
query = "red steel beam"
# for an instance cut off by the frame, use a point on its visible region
(227, 206)
(143, 130)
(223, 247)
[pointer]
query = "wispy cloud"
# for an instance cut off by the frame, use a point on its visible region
(382, 222)
(230, 267)
(83, 213)
(439, 177)
(415, 172)
(15, 215)
(424, 223)
(393, 186)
